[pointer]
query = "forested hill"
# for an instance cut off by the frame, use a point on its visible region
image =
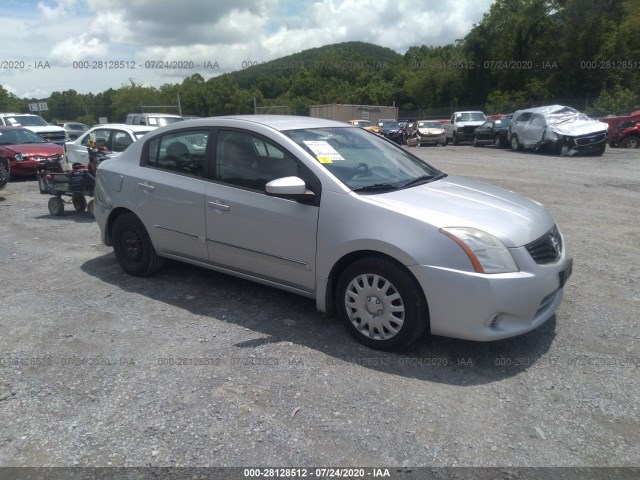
(342, 59)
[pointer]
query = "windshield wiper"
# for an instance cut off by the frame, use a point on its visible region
(423, 179)
(376, 186)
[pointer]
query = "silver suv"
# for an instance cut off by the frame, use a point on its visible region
(558, 129)
(331, 212)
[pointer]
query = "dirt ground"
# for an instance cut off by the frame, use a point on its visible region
(194, 368)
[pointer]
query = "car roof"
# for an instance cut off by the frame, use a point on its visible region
(124, 126)
(173, 115)
(547, 109)
(276, 122)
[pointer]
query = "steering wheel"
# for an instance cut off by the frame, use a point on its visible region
(354, 170)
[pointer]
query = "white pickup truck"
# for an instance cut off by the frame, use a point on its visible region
(462, 126)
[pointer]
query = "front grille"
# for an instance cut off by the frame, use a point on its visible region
(468, 129)
(547, 248)
(590, 139)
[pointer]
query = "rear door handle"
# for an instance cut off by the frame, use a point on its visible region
(147, 187)
(219, 206)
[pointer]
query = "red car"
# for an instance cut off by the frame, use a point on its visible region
(26, 151)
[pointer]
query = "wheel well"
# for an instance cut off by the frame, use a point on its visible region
(347, 260)
(112, 218)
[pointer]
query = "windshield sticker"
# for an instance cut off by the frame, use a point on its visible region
(152, 121)
(12, 120)
(323, 151)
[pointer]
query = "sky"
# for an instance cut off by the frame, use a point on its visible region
(93, 45)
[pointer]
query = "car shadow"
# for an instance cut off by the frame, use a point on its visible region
(285, 317)
(70, 215)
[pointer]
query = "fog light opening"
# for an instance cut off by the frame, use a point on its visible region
(495, 321)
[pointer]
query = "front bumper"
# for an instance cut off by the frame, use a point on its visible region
(397, 137)
(484, 307)
(25, 168)
(431, 139)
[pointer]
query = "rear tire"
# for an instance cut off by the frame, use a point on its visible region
(79, 202)
(381, 304)
(133, 248)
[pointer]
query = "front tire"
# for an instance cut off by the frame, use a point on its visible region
(630, 142)
(381, 304)
(133, 248)
(515, 144)
(497, 141)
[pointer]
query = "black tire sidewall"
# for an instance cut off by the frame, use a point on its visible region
(123, 224)
(515, 145)
(416, 314)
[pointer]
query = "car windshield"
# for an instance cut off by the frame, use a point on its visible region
(565, 115)
(429, 125)
(162, 121)
(78, 126)
(388, 124)
(471, 117)
(19, 136)
(28, 120)
(363, 161)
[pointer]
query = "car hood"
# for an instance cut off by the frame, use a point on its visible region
(44, 128)
(470, 123)
(579, 127)
(37, 149)
(460, 202)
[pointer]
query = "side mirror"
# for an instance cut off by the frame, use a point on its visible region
(292, 188)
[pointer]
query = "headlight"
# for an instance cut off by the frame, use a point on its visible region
(486, 253)
(19, 157)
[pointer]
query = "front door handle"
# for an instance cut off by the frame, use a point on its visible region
(219, 206)
(147, 187)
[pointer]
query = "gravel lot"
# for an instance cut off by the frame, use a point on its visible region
(195, 368)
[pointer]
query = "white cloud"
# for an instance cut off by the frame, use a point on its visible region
(82, 47)
(227, 32)
(63, 7)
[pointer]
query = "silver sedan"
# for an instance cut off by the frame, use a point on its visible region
(391, 244)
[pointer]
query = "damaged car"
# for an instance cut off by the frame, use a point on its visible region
(557, 129)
